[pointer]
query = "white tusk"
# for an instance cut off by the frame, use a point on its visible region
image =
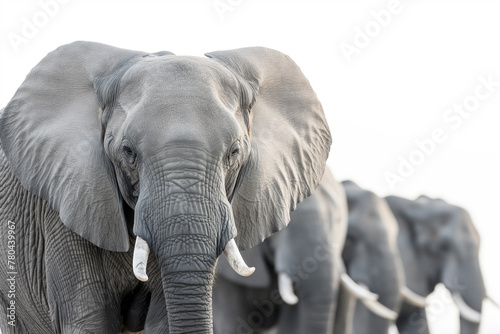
(368, 298)
(235, 260)
(140, 260)
(285, 286)
(355, 289)
(412, 298)
(379, 309)
(466, 312)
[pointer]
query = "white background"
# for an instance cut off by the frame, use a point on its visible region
(394, 91)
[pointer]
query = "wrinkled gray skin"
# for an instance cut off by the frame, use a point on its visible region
(101, 144)
(308, 250)
(371, 257)
(438, 243)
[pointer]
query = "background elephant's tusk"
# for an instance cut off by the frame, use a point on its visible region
(466, 312)
(355, 289)
(379, 309)
(235, 260)
(412, 298)
(285, 286)
(140, 260)
(494, 302)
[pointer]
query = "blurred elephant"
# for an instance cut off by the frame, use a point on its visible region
(438, 243)
(298, 272)
(107, 153)
(372, 260)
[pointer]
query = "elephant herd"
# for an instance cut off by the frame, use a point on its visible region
(125, 174)
(353, 262)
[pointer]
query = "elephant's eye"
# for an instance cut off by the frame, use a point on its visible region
(234, 152)
(128, 152)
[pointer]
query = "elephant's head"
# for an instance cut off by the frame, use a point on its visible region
(303, 259)
(446, 245)
(372, 259)
(307, 252)
(205, 150)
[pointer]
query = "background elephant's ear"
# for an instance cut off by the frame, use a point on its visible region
(51, 133)
(405, 210)
(290, 141)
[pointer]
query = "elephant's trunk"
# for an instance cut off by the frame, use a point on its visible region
(186, 237)
(188, 294)
(184, 216)
(187, 276)
(187, 259)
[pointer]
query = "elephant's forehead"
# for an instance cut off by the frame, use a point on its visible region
(188, 98)
(437, 208)
(173, 70)
(188, 83)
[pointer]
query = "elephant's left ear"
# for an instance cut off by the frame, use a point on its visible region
(290, 141)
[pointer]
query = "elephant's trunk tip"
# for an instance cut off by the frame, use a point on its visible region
(140, 260)
(235, 260)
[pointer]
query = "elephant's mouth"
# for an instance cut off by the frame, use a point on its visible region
(233, 256)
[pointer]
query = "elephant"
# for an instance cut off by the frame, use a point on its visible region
(109, 156)
(299, 272)
(372, 260)
(438, 243)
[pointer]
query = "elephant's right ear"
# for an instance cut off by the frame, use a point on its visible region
(290, 141)
(52, 135)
